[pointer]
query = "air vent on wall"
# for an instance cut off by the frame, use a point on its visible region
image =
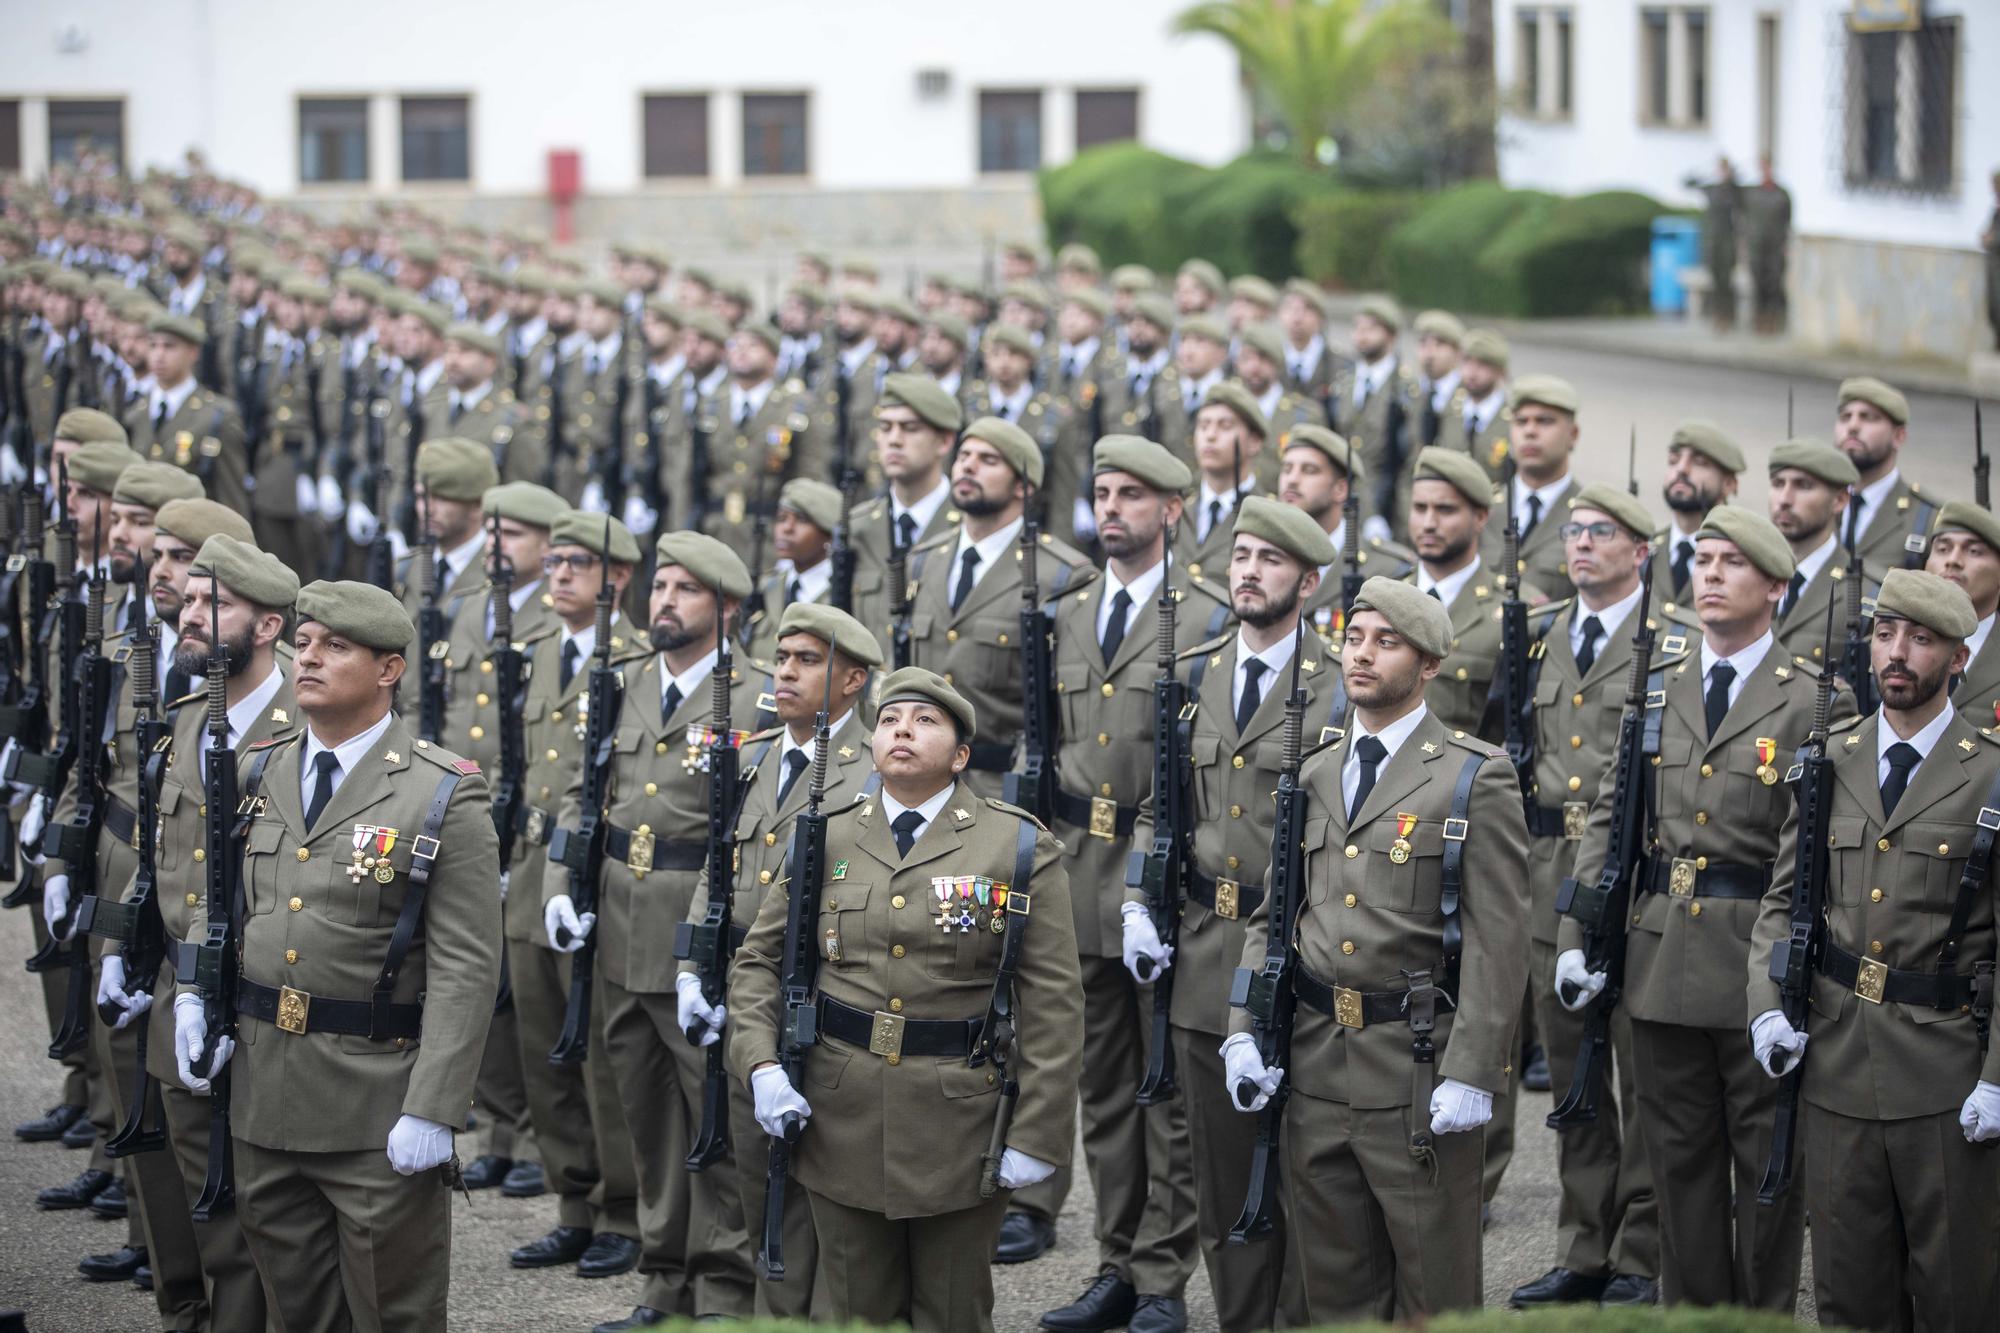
(933, 83)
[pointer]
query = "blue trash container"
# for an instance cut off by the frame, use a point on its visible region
(1676, 245)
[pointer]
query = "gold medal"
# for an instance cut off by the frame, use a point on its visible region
(999, 922)
(384, 873)
(1399, 851)
(1768, 774)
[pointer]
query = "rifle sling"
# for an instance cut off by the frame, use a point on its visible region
(1917, 545)
(1972, 879)
(1000, 1010)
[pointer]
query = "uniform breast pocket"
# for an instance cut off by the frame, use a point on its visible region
(627, 741)
(1405, 870)
(261, 868)
(1940, 850)
(1847, 843)
(1319, 872)
(167, 851)
(843, 926)
(1203, 752)
(994, 662)
(968, 947)
(1547, 689)
(1675, 756)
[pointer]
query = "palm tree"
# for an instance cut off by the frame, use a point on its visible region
(1313, 60)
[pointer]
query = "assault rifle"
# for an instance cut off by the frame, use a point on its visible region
(1511, 688)
(510, 675)
(1857, 667)
(381, 553)
(1982, 466)
(13, 651)
(1350, 555)
(1033, 786)
(1160, 871)
(433, 643)
(27, 720)
(902, 646)
(840, 591)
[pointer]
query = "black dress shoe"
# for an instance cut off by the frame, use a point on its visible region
(1106, 1303)
(111, 1202)
(143, 1279)
(121, 1265)
(1559, 1286)
(79, 1135)
(524, 1181)
(1023, 1236)
(1159, 1314)
(1630, 1289)
(77, 1194)
(609, 1255)
(1535, 1071)
(487, 1171)
(642, 1316)
(564, 1245)
(49, 1125)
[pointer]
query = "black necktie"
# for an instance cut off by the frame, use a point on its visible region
(669, 701)
(1534, 516)
(1792, 591)
(966, 564)
(1717, 703)
(1903, 760)
(160, 420)
(443, 576)
(1246, 706)
(791, 592)
(1370, 752)
(906, 826)
(1435, 596)
(457, 408)
(1214, 518)
(795, 764)
(1683, 562)
(326, 765)
(570, 654)
(906, 531)
(1586, 656)
(743, 414)
(1854, 506)
(1114, 628)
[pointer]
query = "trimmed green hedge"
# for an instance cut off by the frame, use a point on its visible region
(1343, 238)
(1579, 256)
(1431, 259)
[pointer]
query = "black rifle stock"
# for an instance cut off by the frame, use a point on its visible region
(1032, 786)
(902, 645)
(1160, 870)
(432, 643)
(510, 676)
(1856, 666)
(1982, 466)
(381, 564)
(1516, 707)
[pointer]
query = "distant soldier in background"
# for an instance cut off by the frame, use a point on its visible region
(1718, 241)
(1767, 223)
(1989, 241)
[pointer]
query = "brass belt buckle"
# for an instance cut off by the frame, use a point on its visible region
(1347, 1007)
(1104, 818)
(1227, 903)
(1871, 979)
(733, 508)
(292, 1007)
(639, 857)
(1576, 814)
(538, 820)
(1680, 880)
(885, 1037)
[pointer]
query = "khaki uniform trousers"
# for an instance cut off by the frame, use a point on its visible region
(802, 1293)
(344, 1242)
(501, 1092)
(1506, 1107)
(932, 1273)
(80, 1075)
(1708, 1110)
(229, 1277)
(1244, 1278)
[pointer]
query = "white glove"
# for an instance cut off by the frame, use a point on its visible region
(1083, 518)
(1980, 1116)
(398, 546)
(1772, 1035)
(1242, 1064)
(1576, 984)
(55, 902)
(111, 990)
(11, 470)
(307, 494)
(7, 748)
(361, 524)
(331, 501)
(32, 826)
(592, 499)
(1459, 1106)
(776, 1099)
(560, 911)
(1018, 1170)
(1375, 528)
(695, 1008)
(640, 516)
(417, 1144)
(190, 1031)
(1142, 941)
(505, 877)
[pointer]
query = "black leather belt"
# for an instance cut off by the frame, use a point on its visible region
(1240, 901)
(618, 845)
(535, 824)
(1082, 812)
(893, 1036)
(992, 756)
(1547, 821)
(296, 1011)
(1349, 1008)
(1895, 985)
(1685, 877)
(122, 821)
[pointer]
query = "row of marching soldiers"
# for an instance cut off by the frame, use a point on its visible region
(1015, 668)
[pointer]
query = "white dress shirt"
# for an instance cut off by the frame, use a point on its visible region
(1451, 585)
(1977, 640)
(1744, 660)
(243, 715)
(1370, 376)
(1392, 738)
(991, 548)
(1443, 388)
(746, 403)
(1478, 415)
(173, 398)
(1009, 406)
(1143, 589)
(347, 754)
(689, 680)
(1810, 565)
(1204, 524)
(928, 811)
(923, 510)
(1277, 657)
(1193, 391)
(1301, 362)
(461, 558)
(1548, 495)
(1611, 617)
(813, 582)
(1923, 743)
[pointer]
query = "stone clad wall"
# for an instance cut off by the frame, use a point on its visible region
(1908, 302)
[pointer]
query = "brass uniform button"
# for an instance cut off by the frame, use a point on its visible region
(1708, 770)
(1351, 900)
(304, 855)
(1576, 701)
(1237, 762)
(1104, 738)
(1874, 946)
(1881, 844)
(770, 840)
(476, 731)
(1874, 895)
(199, 855)
(652, 789)
(482, 698)
(659, 747)
(1236, 812)
(1460, 673)
(194, 899)
(1576, 784)
(763, 877)
(896, 1004)
(296, 903)
(1107, 689)
(1103, 789)
(202, 810)
(552, 756)
(1232, 862)
(897, 952)
(1701, 816)
(1352, 851)
(1701, 863)
(402, 1043)
(892, 1059)
(486, 668)
(951, 636)
(1347, 946)
(291, 955)
(555, 715)
(1576, 742)
(1944, 849)
(1694, 909)
(897, 901)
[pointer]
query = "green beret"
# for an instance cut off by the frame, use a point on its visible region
(1027, 293)
(523, 502)
(471, 335)
(706, 324)
(1442, 325)
(763, 333)
(1417, 616)
(1079, 258)
(662, 307)
(1816, 458)
(185, 327)
(1383, 310)
(1964, 516)
(1133, 278)
(1621, 505)
(701, 277)
(1707, 439)
(360, 282)
(1201, 326)
(1488, 346)
(1458, 471)
(1266, 341)
(419, 250)
(537, 280)
(603, 291)
(98, 465)
(154, 484)
(1868, 389)
(195, 521)
(453, 468)
(87, 425)
(186, 235)
(67, 282)
(1754, 535)
(575, 527)
(950, 325)
(1250, 287)
(1140, 457)
(370, 616)
(246, 571)
(833, 627)
(1286, 527)
(1011, 335)
(867, 268)
(1548, 390)
(924, 396)
(815, 501)
(806, 294)
(916, 683)
(861, 298)
(1090, 299)
(1156, 310)
(1203, 272)
(1230, 394)
(423, 310)
(1307, 291)
(711, 561)
(299, 287)
(895, 307)
(1336, 448)
(1014, 444)
(1021, 249)
(1936, 603)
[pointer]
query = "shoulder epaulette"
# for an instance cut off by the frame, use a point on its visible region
(1208, 646)
(930, 543)
(540, 634)
(1986, 732)
(1015, 811)
(1848, 724)
(286, 739)
(186, 699)
(1549, 608)
(442, 757)
(769, 733)
(1191, 588)
(1804, 666)
(1467, 740)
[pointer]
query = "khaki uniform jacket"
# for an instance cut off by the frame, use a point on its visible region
(749, 464)
(41, 371)
(1802, 633)
(1907, 511)
(1397, 406)
(1462, 693)
(408, 425)
(290, 445)
(1040, 417)
(472, 705)
(503, 424)
(1685, 956)
(1367, 917)
(868, 530)
(1541, 559)
(1155, 412)
(590, 406)
(1664, 595)
(656, 441)
(334, 941)
(1490, 444)
(905, 1139)
(763, 623)
(1084, 410)
(656, 787)
(120, 770)
(1372, 556)
(1234, 776)
(1108, 726)
(1977, 694)
(1892, 885)
(1317, 382)
(205, 437)
(1206, 562)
